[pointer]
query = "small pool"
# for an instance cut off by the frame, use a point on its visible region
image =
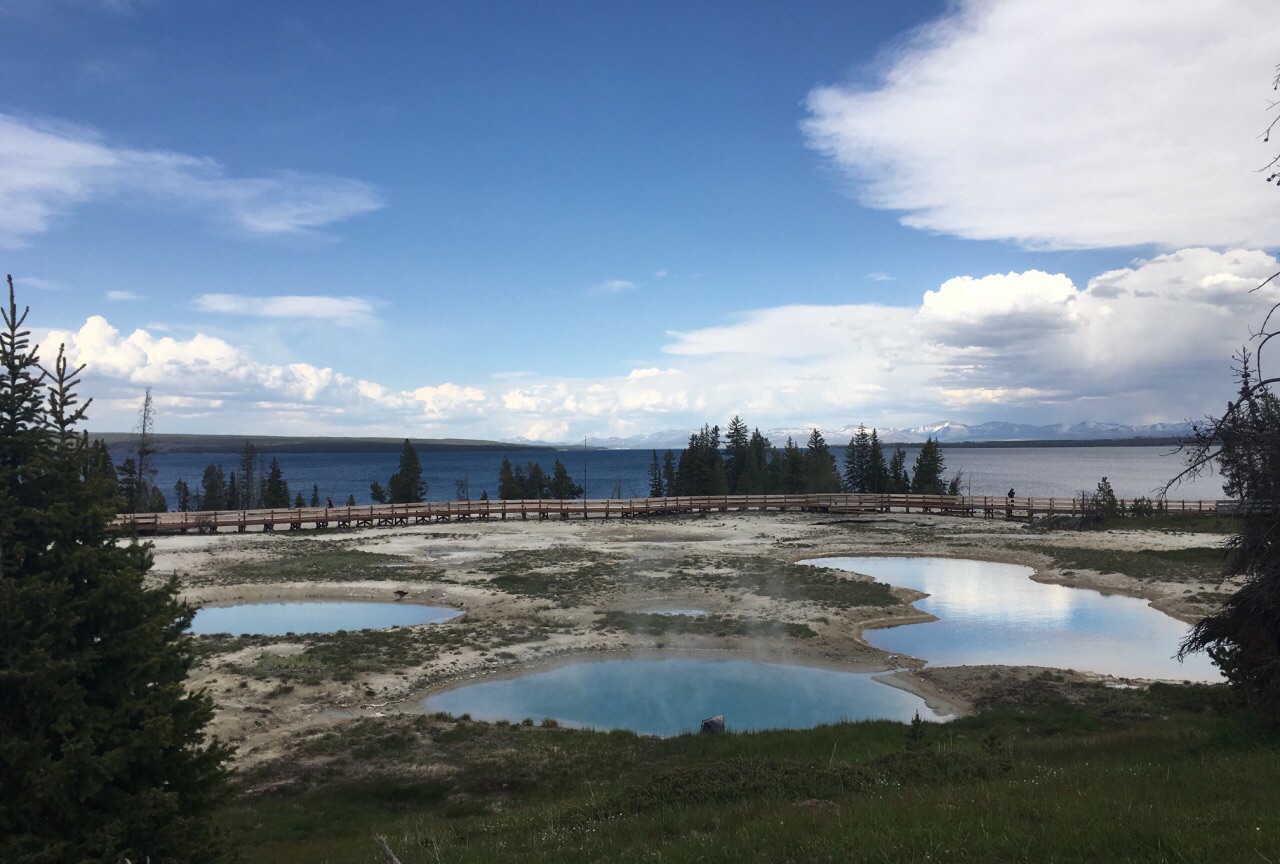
(673, 611)
(315, 616)
(671, 696)
(991, 613)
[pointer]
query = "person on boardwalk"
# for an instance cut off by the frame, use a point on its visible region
(1008, 505)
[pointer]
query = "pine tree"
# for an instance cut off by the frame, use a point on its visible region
(406, 485)
(669, 473)
(820, 466)
(213, 489)
(656, 489)
(249, 479)
(790, 469)
(351, 500)
(181, 496)
(926, 475)
(509, 488)
(299, 502)
(377, 494)
(562, 485)
(877, 470)
(315, 495)
(856, 458)
(899, 479)
(233, 493)
(737, 452)
(142, 498)
(275, 490)
(103, 753)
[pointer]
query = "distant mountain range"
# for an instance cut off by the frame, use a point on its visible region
(946, 431)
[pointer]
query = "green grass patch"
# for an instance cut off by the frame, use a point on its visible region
(313, 560)
(563, 574)
(1175, 777)
(1201, 563)
(655, 624)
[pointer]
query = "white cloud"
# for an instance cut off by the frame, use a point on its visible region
(37, 283)
(1068, 124)
(661, 274)
(122, 295)
(1152, 341)
(613, 286)
(879, 277)
(351, 310)
(47, 169)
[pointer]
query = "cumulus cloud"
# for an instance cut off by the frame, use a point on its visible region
(1144, 343)
(351, 310)
(47, 169)
(1063, 124)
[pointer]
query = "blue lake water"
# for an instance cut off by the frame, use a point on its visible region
(1048, 471)
(994, 613)
(314, 616)
(671, 696)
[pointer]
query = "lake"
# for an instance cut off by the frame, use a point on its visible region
(991, 613)
(1038, 471)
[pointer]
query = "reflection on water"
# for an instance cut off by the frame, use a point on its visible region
(314, 616)
(673, 611)
(667, 697)
(993, 613)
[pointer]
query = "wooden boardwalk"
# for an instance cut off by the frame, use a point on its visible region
(390, 515)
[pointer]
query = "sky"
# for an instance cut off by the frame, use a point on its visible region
(507, 220)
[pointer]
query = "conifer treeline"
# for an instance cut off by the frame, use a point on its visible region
(749, 464)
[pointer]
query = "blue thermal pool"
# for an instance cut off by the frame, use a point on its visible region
(990, 613)
(670, 696)
(315, 616)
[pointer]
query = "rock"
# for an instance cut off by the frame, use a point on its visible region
(712, 725)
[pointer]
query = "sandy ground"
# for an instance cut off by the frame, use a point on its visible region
(632, 565)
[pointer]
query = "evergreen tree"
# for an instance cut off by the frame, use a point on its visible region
(877, 470)
(536, 483)
(790, 469)
(155, 502)
(406, 485)
(181, 496)
(233, 493)
(857, 457)
(701, 469)
(129, 491)
(351, 500)
(509, 488)
(562, 485)
(141, 498)
(213, 489)
(299, 502)
(103, 753)
(737, 444)
(377, 494)
(249, 478)
(275, 491)
(926, 475)
(656, 489)
(899, 479)
(820, 466)
(669, 473)
(755, 479)
(315, 495)
(102, 468)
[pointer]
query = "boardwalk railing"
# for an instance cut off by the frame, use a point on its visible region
(991, 507)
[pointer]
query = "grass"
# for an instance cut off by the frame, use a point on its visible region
(565, 575)
(652, 624)
(783, 581)
(1199, 563)
(345, 655)
(310, 560)
(1059, 774)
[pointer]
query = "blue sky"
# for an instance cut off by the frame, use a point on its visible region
(551, 220)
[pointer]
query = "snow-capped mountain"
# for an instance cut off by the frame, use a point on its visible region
(945, 431)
